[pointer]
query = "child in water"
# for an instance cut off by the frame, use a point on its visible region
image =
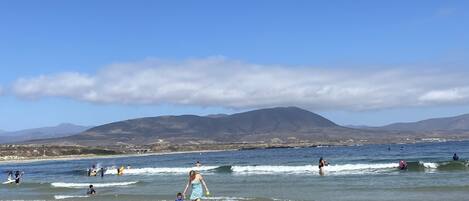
(91, 190)
(179, 197)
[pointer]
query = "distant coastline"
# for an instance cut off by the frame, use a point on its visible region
(93, 156)
(32, 159)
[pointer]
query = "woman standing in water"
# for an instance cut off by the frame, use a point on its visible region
(196, 181)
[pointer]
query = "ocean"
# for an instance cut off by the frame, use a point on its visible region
(355, 173)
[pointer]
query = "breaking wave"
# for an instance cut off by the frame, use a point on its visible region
(84, 185)
(162, 170)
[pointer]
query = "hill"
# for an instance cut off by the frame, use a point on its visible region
(61, 130)
(457, 123)
(281, 125)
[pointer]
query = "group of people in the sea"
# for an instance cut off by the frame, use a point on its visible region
(14, 177)
(195, 181)
(402, 164)
(94, 170)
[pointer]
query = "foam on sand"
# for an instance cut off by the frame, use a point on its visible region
(85, 185)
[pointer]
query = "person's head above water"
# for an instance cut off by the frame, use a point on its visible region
(91, 186)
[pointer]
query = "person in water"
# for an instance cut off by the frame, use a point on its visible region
(197, 164)
(179, 197)
(322, 163)
(10, 175)
(196, 181)
(402, 165)
(455, 157)
(91, 190)
(120, 171)
(18, 176)
(102, 172)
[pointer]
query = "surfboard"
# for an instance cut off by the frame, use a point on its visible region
(9, 181)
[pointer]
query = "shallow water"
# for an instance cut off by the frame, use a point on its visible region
(355, 173)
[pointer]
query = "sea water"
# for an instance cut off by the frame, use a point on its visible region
(366, 172)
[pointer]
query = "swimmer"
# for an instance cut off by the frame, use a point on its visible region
(322, 163)
(402, 165)
(455, 157)
(91, 190)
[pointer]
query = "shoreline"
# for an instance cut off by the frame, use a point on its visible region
(93, 156)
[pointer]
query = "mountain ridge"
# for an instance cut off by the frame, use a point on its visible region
(60, 130)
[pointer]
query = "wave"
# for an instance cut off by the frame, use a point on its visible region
(84, 185)
(259, 169)
(61, 197)
(346, 168)
(272, 169)
(441, 165)
(226, 198)
(162, 170)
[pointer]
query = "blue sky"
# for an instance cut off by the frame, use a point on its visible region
(60, 61)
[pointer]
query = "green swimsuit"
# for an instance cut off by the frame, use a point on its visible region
(197, 191)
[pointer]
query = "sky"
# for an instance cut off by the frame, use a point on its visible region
(354, 62)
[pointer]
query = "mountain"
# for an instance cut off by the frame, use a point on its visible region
(281, 124)
(61, 130)
(457, 123)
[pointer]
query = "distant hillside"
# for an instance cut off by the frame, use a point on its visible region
(282, 124)
(457, 123)
(60, 130)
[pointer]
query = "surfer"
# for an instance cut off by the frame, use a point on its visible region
(91, 190)
(455, 157)
(196, 181)
(402, 165)
(18, 176)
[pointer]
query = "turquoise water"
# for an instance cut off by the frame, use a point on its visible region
(355, 173)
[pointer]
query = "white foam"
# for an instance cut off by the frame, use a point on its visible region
(429, 165)
(61, 197)
(226, 198)
(346, 168)
(84, 185)
(161, 170)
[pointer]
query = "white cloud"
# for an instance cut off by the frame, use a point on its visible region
(227, 83)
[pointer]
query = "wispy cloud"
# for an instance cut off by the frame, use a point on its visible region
(234, 84)
(445, 11)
